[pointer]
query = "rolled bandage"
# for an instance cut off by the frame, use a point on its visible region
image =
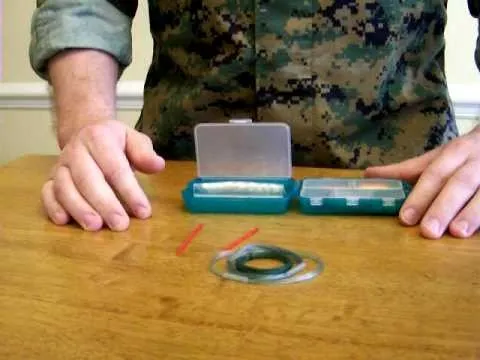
(238, 188)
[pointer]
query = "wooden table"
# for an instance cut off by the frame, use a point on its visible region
(386, 292)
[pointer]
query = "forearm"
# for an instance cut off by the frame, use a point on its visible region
(84, 83)
(83, 80)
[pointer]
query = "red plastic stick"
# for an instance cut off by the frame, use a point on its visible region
(241, 239)
(184, 245)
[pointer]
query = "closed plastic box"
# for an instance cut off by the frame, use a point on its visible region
(352, 196)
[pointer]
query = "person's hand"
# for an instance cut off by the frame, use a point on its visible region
(446, 195)
(93, 181)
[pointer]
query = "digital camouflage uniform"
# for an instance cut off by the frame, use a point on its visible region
(359, 82)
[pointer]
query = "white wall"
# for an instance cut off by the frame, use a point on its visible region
(461, 35)
(26, 128)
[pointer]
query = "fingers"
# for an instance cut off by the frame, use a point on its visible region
(409, 170)
(467, 221)
(139, 150)
(111, 169)
(429, 186)
(52, 207)
(89, 180)
(66, 194)
(457, 192)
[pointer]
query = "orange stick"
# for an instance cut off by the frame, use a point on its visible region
(184, 245)
(241, 239)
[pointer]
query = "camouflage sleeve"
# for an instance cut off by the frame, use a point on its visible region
(94, 24)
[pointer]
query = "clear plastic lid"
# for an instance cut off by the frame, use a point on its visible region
(243, 149)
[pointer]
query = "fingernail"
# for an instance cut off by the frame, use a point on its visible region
(462, 227)
(60, 217)
(433, 226)
(117, 222)
(409, 216)
(143, 211)
(91, 222)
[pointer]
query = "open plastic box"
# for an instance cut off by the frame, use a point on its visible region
(242, 167)
(245, 167)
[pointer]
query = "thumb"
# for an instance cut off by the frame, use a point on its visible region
(140, 153)
(409, 170)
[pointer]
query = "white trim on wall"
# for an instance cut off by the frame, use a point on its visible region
(465, 98)
(466, 101)
(36, 95)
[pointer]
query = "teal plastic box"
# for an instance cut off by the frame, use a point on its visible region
(352, 196)
(242, 167)
(246, 168)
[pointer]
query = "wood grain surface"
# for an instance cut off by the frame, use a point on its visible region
(386, 293)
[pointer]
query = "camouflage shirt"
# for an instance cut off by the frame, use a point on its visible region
(360, 82)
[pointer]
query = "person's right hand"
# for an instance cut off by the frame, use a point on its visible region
(93, 181)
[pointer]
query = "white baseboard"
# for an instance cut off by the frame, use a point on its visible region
(465, 98)
(36, 95)
(466, 101)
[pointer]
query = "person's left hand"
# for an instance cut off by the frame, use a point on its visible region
(446, 195)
